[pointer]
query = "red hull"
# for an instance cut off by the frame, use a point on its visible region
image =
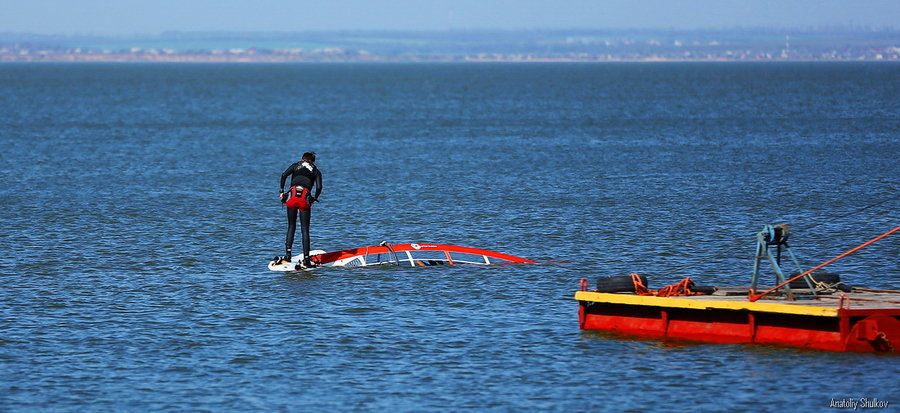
(851, 330)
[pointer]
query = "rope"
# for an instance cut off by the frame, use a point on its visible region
(871, 290)
(721, 254)
(865, 244)
(639, 287)
(855, 212)
(821, 286)
(871, 300)
(681, 288)
(825, 287)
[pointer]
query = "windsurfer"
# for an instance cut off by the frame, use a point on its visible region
(299, 199)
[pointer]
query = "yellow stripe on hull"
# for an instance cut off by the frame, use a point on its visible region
(704, 303)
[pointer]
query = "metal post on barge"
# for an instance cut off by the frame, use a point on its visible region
(775, 236)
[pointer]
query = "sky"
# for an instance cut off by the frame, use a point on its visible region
(130, 17)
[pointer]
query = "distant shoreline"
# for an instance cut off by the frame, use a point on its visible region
(750, 45)
(201, 59)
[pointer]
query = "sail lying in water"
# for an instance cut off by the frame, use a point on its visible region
(409, 255)
(413, 255)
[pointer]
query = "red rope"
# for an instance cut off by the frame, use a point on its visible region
(639, 287)
(754, 297)
(680, 288)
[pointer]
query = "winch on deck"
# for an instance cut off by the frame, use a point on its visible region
(775, 237)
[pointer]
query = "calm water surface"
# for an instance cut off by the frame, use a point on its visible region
(139, 208)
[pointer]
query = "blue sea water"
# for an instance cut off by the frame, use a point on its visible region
(139, 207)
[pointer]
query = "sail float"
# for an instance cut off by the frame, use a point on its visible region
(408, 255)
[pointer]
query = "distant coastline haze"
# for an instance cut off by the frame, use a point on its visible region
(138, 17)
(613, 45)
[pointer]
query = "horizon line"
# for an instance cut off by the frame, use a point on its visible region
(738, 28)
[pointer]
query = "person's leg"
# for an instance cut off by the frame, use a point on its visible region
(304, 233)
(289, 237)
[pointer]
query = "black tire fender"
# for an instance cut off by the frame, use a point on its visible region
(617, 284)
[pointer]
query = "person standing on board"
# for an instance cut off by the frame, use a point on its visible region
(299, 199)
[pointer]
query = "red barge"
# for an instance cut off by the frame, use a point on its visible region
(812, 314)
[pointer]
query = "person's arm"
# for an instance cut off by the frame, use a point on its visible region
(318, 185)
(287, 172)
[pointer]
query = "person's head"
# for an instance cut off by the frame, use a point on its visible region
(309, 157)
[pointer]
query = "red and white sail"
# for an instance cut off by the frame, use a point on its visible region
(412, 255)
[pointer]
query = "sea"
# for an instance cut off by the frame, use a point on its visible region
(140, 208)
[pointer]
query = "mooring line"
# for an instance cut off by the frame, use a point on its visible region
(722, 254)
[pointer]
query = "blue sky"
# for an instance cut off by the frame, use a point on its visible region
(124, 17)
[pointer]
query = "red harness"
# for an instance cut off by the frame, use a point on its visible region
(298, 201)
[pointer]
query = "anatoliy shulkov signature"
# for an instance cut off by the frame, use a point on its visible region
(859, 403)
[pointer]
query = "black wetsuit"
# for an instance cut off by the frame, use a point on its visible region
(301, 177)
